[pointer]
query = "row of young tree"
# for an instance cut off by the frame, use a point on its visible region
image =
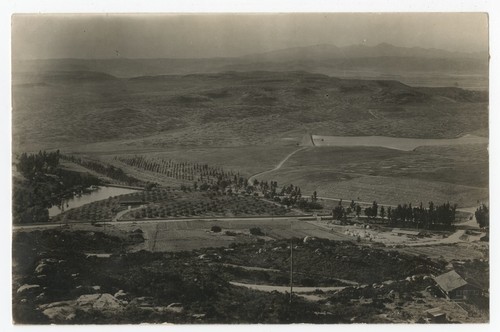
(200, 173)
(443, 215)
(109, 171)
(214, 178)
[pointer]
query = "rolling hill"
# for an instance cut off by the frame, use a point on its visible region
(231, 109)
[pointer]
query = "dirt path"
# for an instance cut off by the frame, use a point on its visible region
(284, 289)
(250, 268)
(252, 178)
(121, 213)
(255, 268)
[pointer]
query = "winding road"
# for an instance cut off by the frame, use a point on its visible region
(252, 178)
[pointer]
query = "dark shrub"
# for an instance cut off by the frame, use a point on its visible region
(256, 231)
(216, 229)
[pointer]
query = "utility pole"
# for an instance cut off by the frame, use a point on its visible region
(291, 269)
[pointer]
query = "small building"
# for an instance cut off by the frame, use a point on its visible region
(436, 315)
(400, 231)
(457, 288)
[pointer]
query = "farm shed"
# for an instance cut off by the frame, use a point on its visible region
(399, 231)
(456, 287)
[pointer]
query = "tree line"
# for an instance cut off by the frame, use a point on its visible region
(202, 173)
(432, 216)
(29, 165)
(288, 195)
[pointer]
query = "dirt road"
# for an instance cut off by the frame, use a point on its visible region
(253, 177)
(284, 289)
(146, 221)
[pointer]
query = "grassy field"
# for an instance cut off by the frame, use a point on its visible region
(451, 173)
(188, 235)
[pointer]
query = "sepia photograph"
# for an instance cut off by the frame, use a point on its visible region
(250, 168)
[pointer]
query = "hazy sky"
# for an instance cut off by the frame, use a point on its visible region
(220, 35)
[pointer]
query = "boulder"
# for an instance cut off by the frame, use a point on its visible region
(44, 263)
(41, 297)
(122, 296)
(63, 313)
(175, 307)
(40, 268)
(198, 316)
(107, 302)
(87, 300)
(99, 301)
(25, 288)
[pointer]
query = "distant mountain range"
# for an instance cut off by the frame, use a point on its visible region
(326, 52)
(383, 61)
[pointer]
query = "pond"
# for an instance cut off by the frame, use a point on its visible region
(406, 144)
(101, 193)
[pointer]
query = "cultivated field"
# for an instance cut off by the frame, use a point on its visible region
(205, 205)
(166, 203)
